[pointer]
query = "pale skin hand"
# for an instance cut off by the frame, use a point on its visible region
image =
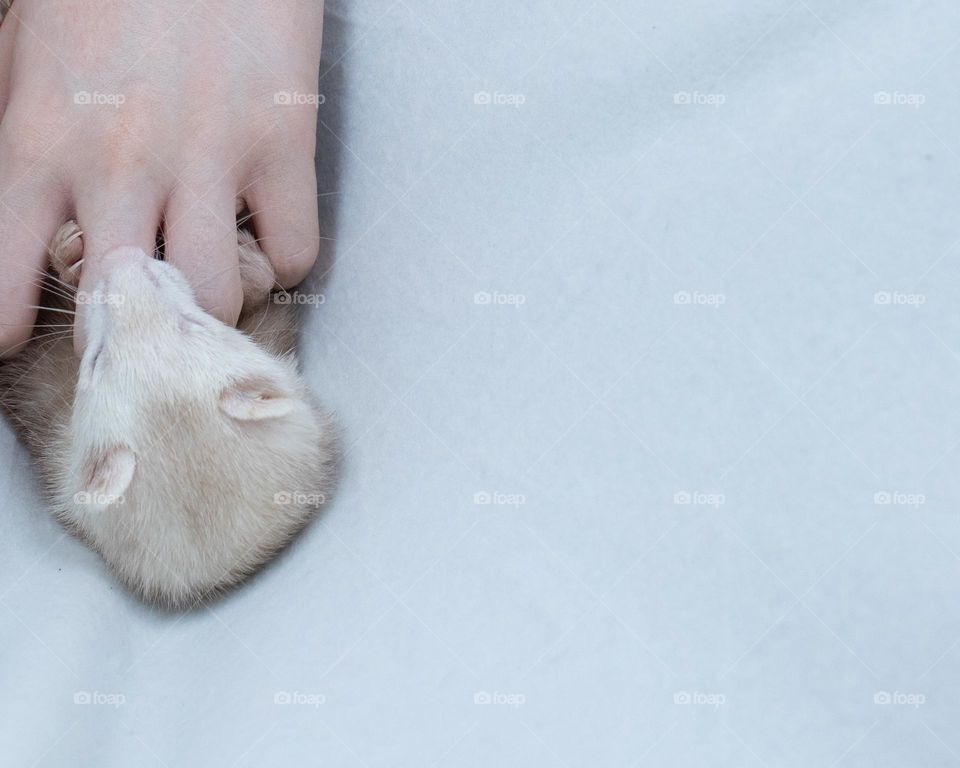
(132, 114)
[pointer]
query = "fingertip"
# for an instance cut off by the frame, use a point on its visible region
(201, 241)
(224, 300)
(286, 220)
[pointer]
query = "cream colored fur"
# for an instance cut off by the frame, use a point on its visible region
(185, 451)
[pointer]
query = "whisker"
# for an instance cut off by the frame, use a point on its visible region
(58, 334)
(59, 292)
(54, 294)
(43, 336)
(44, 325)
(53, 284)
(51, 309)
(52, 279)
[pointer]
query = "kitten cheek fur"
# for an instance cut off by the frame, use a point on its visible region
(192, 456)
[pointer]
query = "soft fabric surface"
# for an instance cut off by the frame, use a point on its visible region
(675, 286)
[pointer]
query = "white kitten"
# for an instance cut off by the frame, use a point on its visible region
(185, 451)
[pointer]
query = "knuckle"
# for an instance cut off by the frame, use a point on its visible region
(28, 142)
(297, 252)
(126, 155)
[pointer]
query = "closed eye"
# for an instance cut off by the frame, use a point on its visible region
(95, 358)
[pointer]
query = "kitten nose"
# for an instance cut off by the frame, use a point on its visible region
(126, 268)
(125, 275)
(109, 270)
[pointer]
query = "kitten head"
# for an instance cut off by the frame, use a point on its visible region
(194, 453)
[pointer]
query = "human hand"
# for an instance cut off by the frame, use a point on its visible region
(129, 115)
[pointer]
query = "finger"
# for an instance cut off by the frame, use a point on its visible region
(27, 226)
(286, 220)
(201, 241)
(111, 220)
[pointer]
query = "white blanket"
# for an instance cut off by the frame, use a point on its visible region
(641, 323)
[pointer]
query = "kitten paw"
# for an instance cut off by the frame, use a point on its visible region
(66, 253)
(257, 277)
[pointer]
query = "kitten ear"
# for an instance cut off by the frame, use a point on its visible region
(255, 399)
(107, 475)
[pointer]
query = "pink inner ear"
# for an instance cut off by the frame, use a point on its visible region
(255, 399)
(110, 472)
